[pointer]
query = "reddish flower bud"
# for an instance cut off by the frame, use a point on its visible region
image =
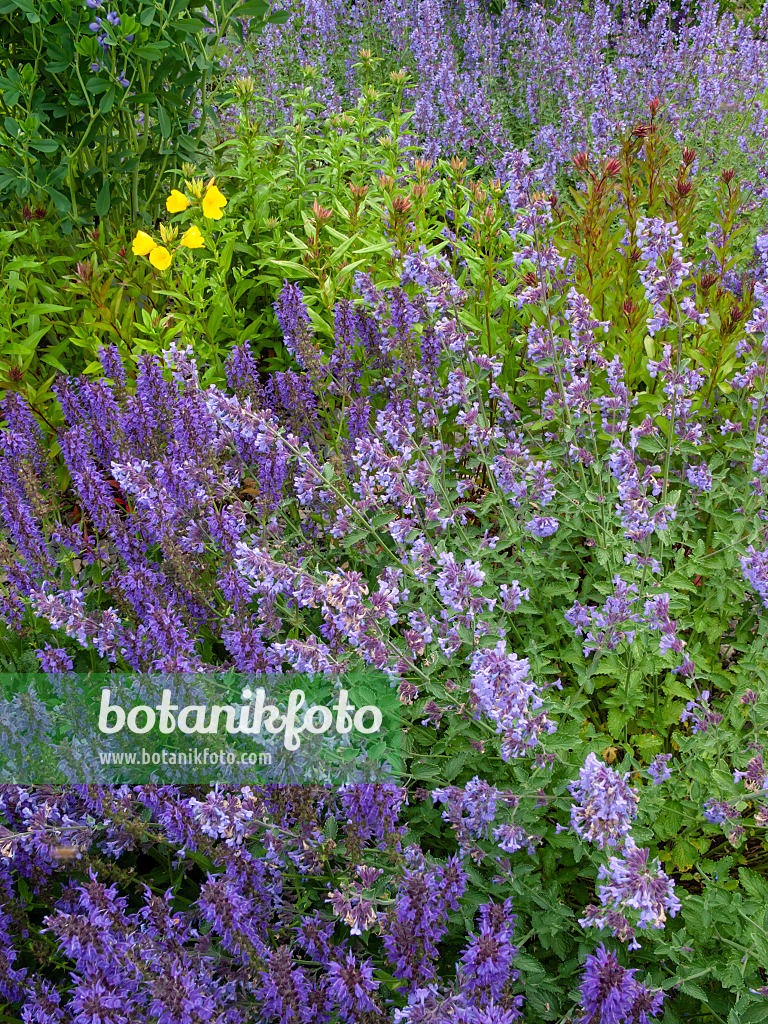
(634, 254)
(322, 216)
(26, 211)
(612, 167)
(727, 176)
(683, 188)
(653, 106)
(707, 281)
(458, 167)
(84, 271)
(581, 161)
(689, 155)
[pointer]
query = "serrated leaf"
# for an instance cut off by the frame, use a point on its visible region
(754, 884)
(691, 989)
(450, 770)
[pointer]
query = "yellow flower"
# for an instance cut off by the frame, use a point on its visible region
(213, 203)
(192, 238)
(143, 244)
(160, 257)
(176, 202)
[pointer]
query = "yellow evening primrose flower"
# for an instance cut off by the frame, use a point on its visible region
(213, 203)
(143, 244)
(192, 238)
(176, 202)
(160, 257)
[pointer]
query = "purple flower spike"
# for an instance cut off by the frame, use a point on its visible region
(610, 994)
(604, 805)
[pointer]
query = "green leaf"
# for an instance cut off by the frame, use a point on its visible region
(164, 121)
(190, 25)
(453, 765)
(108, 100)
(755, 1013)
(253, 9)
(44, 145)
(292, 265)
(692, 990)
(754, 884)
(104, 200)
(58, 199)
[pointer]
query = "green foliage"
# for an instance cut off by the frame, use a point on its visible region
(93, 130)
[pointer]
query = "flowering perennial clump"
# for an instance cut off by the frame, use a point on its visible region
(504, 445)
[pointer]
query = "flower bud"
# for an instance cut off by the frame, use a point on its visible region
(581, 161)
(689, 155)
(244, 87)
(458, 167)
(195, 188)
(322, 216)
(84, 271)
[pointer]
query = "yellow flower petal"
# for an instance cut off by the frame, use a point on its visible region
(143, 244)
(213, 202)
(160, 257)
(192, 238)
(176, 202)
